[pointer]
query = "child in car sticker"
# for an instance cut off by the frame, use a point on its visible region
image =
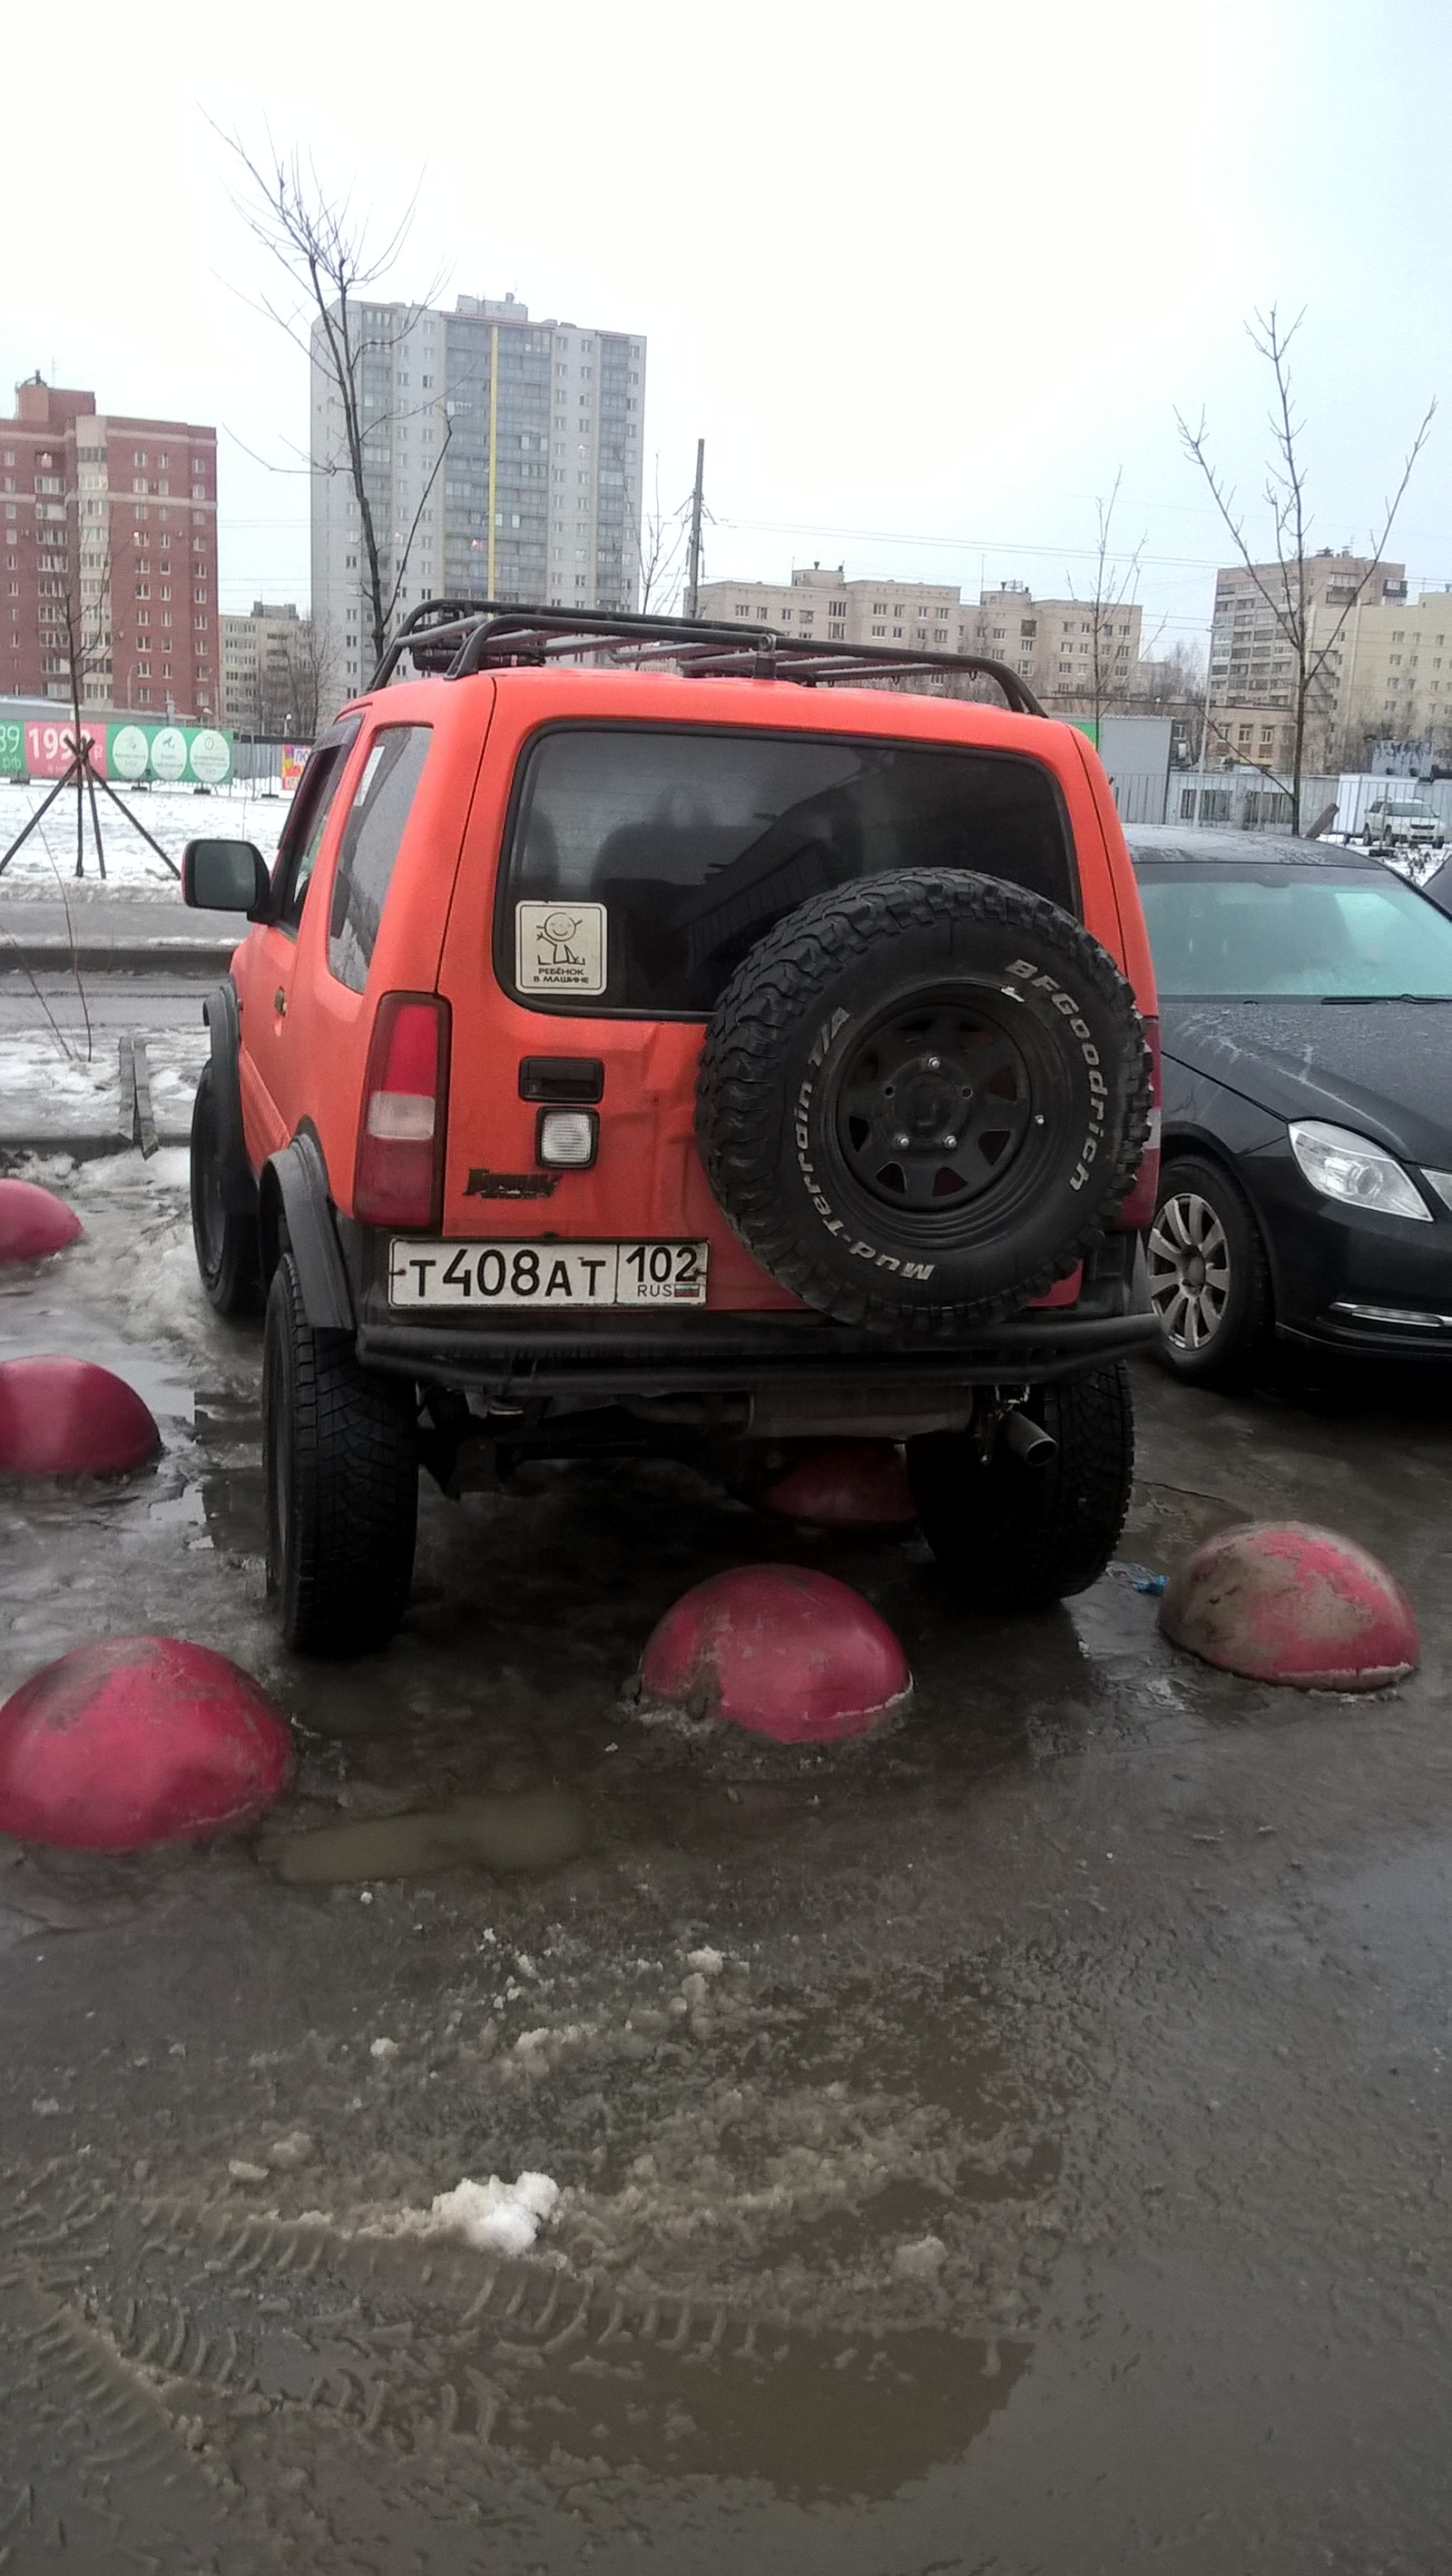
(559, 947)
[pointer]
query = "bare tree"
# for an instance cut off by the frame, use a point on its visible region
(1285, 585)
(310, 658)
(660, 537)
(1114, 586)
(324, 250)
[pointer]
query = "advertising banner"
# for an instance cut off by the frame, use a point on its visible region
(294, 762)
(12, 748)
(169, 754)
(50, 745)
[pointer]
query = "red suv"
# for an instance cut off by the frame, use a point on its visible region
(654, 1035)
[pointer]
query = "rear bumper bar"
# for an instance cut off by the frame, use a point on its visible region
(729, 1357)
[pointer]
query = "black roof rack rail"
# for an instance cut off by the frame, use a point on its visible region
(457, 637)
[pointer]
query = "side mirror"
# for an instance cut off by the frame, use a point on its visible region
(225, 876)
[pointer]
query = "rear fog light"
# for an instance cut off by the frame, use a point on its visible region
(399, 1174)
(567, 1138)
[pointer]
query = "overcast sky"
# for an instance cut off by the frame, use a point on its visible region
(924, 277)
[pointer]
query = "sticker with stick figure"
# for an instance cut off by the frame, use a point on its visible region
(559, 947)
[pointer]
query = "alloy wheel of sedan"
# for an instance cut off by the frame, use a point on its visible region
(1189, 1271)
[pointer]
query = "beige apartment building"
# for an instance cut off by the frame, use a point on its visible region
(1386, 672)
(266, 665)
(1393, 673)
(828, 609)
(1049, 642)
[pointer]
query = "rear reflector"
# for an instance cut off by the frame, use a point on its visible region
(399, 1175)
(1138, 1210)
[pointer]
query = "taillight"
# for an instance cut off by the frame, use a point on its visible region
(398, 1179)
(1138, 1209)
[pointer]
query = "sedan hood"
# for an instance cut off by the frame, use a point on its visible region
(1383, 1068)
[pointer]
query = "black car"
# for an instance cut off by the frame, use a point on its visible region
(1438, 885)
(1306, 1028)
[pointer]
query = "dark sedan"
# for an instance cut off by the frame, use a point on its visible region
(1306, 1028)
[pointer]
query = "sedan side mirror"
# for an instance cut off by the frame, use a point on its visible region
(226, 876)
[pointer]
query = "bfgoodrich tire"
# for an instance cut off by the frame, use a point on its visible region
(340, 1461)
(1017, 1534)
(224, 1234)
(920, 1097)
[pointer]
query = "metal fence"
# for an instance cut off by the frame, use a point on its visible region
(1248, 802)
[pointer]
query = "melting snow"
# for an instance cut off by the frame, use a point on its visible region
(497, 2217)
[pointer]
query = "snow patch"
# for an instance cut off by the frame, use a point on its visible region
(496, 2217)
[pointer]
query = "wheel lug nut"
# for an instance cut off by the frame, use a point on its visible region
(949, 1143)
(902, 1140)
(934, 1063)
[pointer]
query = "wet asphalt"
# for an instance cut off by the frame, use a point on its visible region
(1013, 2142)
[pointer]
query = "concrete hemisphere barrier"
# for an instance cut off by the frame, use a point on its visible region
(133, 1741)
(69, 1417)
(844, 1484)
(34, 1222)
(1285, 1601)
(779, 1650)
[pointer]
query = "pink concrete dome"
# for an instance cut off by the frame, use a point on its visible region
(34, 1222)
(1282, 1601)
(62, 1417)
(779, 1650)
(845, 1484)
(138, 1740)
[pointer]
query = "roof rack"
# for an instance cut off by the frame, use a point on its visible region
(456, 637)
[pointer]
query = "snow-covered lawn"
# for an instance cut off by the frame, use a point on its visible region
(172, 815)
(51, 1089)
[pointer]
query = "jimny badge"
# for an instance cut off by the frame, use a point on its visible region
(559, 947)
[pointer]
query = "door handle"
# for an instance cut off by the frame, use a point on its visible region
(279, 1001)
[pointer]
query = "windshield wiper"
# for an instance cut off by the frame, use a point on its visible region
(1386, 997)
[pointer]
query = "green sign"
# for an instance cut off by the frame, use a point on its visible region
(171, 755)
(12, 749)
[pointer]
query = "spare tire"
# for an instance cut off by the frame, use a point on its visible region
(919, 1098)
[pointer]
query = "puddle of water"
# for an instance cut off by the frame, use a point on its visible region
(1166, 1521)
(528, 1833)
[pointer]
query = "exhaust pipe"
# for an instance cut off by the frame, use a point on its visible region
(1027, 1439)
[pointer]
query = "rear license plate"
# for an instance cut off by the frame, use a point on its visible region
(560, 1276)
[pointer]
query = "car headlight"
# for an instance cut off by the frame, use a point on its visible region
(1348, 1167)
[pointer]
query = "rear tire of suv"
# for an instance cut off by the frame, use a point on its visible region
(340, 1462)
(920, 1097)
(228, 1255)
(1014, 1534)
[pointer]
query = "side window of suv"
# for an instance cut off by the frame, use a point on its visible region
(371, 838)
(303, 832)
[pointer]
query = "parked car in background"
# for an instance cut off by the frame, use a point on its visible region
(1401, 823)
(1306, 1032)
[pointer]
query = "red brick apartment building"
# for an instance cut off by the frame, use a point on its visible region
(114, 521)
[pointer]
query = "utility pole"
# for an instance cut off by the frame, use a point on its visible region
(693, 561)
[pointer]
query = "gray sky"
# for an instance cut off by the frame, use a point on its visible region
(924, 277)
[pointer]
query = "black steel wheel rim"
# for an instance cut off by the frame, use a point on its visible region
(933, 1106)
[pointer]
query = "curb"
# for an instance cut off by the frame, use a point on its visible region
(89, 1146)
(187, 957)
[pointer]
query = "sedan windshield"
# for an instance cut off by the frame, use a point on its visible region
(1233, 931)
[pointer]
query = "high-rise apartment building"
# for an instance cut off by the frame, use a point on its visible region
(110, 527)
(502, 459)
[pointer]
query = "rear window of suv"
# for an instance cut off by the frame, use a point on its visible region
(649, 860)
